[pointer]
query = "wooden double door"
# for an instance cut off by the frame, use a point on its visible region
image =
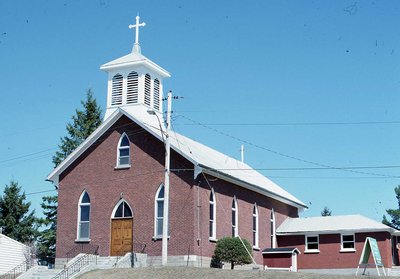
(121, 236)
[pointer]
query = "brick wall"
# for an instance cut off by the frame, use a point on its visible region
(224, 192)
(95, 172)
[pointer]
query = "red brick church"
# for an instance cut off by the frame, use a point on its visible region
(111, 188)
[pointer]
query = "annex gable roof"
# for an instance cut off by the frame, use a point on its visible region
(331, 224)
(204, 158)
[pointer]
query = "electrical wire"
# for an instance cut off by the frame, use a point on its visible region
(287, 155)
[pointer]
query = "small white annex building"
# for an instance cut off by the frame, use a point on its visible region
(12, 253)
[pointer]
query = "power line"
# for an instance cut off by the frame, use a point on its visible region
(40, 192)
(296, 123)
(286, 155)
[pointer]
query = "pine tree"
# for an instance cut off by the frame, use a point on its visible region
(394, 213)
(83, 124)
(326, 212)
(46, 245)
(15, 219)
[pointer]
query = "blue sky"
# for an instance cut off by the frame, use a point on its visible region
(304, 84)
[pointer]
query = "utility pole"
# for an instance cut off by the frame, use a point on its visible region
(164, 253)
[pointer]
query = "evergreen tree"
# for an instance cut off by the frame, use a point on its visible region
(394, 213)
(326, 212)
(83, 124)
(46, 246)
(231, 249)
(15, 219)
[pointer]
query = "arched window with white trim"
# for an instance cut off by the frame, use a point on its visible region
(147, 89)
(116, 93)
(156, 94)
(234, 217)
(132, 90)
(255, 226)
(84, 217)
(124, 150)
(159, 212)
(213, 216)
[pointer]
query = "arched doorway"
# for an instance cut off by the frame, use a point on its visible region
(121, 229)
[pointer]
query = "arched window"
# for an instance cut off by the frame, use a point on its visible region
(123, 210)
(116, 95)
(147, 89)
(234, 217)
(255, 226)
(156, 95)
(84, 217)
(124, 151)
(132, 91)
(159, 212)
(213, 215)
(273, 235)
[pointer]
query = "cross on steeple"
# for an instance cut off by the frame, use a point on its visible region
(136, 46)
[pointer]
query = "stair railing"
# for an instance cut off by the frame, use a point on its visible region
(85, 248)
(18, 270)
(75, 267)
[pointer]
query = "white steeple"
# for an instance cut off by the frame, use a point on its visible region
(134, 81)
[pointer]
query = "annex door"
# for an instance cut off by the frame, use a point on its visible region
(121, 236)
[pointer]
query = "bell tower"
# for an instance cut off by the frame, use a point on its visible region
(134, 81)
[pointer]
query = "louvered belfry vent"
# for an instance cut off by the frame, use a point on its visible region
(132, 88)
(116, 95)
(156, 97)
(147, 89)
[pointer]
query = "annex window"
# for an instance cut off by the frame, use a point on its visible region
(212, 224)
(84, 217)
(255, 226)
(312, 243)
(147, 89)
(116, 94)
(132, 91)
(234, 218)
(159, 212)
(124, 151)
(347, 242)
(123, 210)
(156, 94)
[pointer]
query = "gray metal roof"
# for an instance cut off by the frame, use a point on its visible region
(327, 224)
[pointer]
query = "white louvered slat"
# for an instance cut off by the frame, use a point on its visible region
(147, 89)
(116, 95)
(156, 97)
(132, 88)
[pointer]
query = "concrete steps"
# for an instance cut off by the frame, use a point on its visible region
(395, 271)
(40, 272)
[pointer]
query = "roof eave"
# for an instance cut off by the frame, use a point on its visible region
(153, 66)
(366, 230)
(252, 187)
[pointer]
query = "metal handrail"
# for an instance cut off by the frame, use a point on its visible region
(85, 248)
(18, 270)
(136, 248)
(75, 267)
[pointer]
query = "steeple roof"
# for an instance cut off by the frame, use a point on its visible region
(134, 59)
